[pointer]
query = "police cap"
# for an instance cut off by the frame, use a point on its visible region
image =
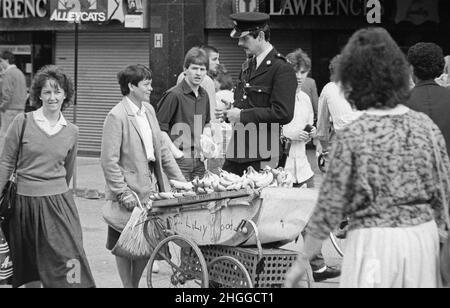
(244, 23)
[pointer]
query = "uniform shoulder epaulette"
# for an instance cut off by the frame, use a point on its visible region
(280, 56)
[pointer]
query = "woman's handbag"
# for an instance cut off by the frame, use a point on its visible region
(8, 197)
(6, 266)
(445, 246)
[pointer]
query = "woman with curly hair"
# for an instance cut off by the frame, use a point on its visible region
(427, 60)
(44, 229)
(383, 175)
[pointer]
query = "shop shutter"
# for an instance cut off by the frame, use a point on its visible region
(232, 56)
(100, 57)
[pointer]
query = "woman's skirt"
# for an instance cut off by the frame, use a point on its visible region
(46, 243)
(392, 258)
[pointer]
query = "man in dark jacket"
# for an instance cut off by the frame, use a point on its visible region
(264, 98)
(427, 96)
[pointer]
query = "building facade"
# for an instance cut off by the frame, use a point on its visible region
(92, 40)
(323, 27)
(103, 36)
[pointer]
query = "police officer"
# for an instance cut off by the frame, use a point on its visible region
(264, 98)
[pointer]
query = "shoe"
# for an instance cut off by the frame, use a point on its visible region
(155, 268)
(329, 273)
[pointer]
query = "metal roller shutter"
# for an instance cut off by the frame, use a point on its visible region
(100, 57)
(232, 56)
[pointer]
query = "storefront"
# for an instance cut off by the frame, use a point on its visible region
(110, 38)
(322, 27)
(113, 34)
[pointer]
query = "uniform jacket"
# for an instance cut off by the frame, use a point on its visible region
(266, 96)
(123, 156)
(430, 98)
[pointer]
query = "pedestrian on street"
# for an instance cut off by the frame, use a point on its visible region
(13, 92)
(264, 98)
(45, 231)
(134, 157)
(297, 162)
(383, 175)
(183, 114)
(335, 112)
(208, 82)
(427, 60)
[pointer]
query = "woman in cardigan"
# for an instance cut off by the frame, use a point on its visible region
(45, 230)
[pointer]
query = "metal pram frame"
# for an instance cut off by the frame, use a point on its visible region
(184, 263)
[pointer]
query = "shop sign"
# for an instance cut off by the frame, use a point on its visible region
(79, 10)
(19, 9)
(417, 11)
(320, 7)
(134, 21)
(132, 13)
(18, 49)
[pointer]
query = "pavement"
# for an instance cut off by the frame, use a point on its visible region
(90, 187)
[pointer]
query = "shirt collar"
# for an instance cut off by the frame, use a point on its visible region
(261, 57)
(135, 108)
(188, 90)
(39, 116)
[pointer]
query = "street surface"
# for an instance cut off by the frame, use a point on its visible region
(90, 184)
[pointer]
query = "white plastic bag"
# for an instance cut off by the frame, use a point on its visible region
(209, 148)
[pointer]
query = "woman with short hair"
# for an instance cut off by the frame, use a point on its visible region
(133, 158)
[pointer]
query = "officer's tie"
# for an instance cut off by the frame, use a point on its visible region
(253, 65)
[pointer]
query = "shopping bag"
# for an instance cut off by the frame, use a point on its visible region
(115, 215)
(6, 266)
(132, 243)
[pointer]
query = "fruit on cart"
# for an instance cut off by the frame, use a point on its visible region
(162, 196)
(227, 181)
(178, 185)
(189, 194)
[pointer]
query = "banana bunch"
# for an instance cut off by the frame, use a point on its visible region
(261, 179)
(162, 196)
(171, 195)
(230, 181)
(208, 184)
(181, 186)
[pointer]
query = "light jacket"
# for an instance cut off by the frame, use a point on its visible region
(123, 156)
